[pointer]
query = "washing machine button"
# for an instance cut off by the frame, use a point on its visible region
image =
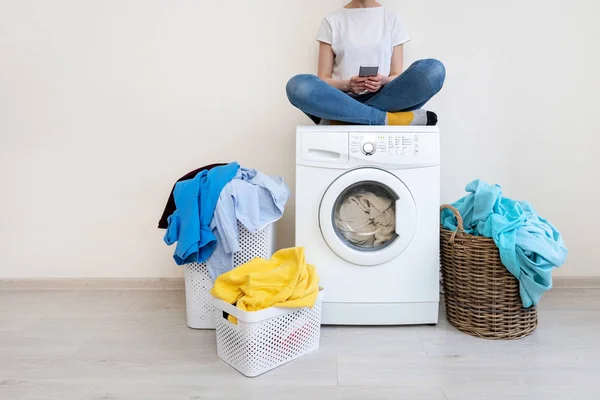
(369, 148)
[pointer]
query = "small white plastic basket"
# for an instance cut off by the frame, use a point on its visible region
(264, 340)
(198, 301)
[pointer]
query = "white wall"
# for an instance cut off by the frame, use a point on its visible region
(103, 104)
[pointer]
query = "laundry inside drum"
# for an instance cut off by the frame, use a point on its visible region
(364, 216)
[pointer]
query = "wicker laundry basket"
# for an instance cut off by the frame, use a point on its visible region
(482, 297)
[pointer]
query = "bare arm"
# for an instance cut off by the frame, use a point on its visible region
(397, 66)
(325, 69)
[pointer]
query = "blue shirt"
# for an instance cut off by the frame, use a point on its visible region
(196, 200)
(254, 199)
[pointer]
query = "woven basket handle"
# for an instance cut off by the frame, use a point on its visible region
(459, 220)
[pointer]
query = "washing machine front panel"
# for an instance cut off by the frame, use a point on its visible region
(350, 147)
(368, 216)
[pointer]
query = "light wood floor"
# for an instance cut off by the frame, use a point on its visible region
(135, 345)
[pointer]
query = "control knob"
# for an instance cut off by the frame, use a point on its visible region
(368, 148)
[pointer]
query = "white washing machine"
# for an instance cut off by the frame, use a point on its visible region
(367, 212)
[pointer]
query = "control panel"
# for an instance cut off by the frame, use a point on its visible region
(396, 145)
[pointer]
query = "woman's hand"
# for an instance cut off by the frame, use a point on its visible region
(374, 83)
(357, 84)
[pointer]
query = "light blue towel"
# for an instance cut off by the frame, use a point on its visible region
(253, 198)
(196, 200)
(529, 245)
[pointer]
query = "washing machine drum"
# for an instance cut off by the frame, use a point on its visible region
(368, 216)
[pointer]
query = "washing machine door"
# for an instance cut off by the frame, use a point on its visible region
(368, 216)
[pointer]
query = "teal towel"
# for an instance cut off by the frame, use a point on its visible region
(529, 245)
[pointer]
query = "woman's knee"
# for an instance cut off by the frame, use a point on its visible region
(300, 87)
(434, 72)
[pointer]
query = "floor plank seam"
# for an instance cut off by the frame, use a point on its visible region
(444, 392)
(337, 370)
(422, 344)
(178, 283)
(130, 306)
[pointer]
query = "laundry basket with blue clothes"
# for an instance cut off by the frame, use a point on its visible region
(220, 216)
(497, 257)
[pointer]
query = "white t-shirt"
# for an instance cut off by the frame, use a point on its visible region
(362, 37)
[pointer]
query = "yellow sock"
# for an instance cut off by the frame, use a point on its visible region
(416, 117)
(400, 118)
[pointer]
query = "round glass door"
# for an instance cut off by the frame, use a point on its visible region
(364, 216)
(367, 216)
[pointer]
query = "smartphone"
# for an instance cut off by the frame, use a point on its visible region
(368, 71)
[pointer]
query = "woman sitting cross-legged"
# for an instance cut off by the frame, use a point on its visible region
(364, 33)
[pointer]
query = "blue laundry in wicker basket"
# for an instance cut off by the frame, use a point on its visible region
(530, 246)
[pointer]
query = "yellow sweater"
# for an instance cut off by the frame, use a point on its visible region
(283, 281)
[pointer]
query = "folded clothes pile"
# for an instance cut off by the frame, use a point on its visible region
(530, 246)
(204, 207)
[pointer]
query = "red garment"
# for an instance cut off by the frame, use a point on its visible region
(170, 208)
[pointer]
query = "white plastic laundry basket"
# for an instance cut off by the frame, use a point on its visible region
(264, 340)
(198, 301)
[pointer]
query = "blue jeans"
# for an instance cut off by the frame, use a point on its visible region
(409, 91)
